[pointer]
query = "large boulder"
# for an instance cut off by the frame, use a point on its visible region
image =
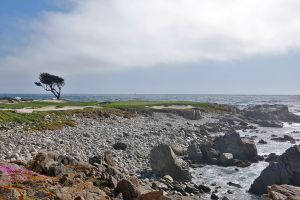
(282, 192)
(285, 171)
(227, 150)
(231, 142)
(270, 115)
(132, 190)
(163, 161)
(54, 164)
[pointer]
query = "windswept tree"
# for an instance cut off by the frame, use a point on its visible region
(51, 83)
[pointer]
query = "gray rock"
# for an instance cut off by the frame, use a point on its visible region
(261, 141)
(226, 158)
(178, 150)
(272, 157)
(282, 192)
(285, 138)
(231, 142)
(203, 188)
(268, 123)
(120, 146)
(285, 171)
(164, 162)
(271, 112)
(194, 152)
(53, 164)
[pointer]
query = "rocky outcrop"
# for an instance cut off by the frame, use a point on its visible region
(285, 171)
(53, 164)
(81, 191)
(226, 150)
(272, 157)
(163, 161)
(270, 115)
(132, 190)
(282, 192)
(240, 148)
(194, 152)
(285, 138)
(18, 183)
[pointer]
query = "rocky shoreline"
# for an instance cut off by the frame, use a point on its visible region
(126, 144)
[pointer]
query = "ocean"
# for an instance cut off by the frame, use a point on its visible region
(293, 101)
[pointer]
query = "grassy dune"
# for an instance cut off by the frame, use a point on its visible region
(52, 120)
(147, 104)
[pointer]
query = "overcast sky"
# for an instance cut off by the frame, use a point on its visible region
(157, 46)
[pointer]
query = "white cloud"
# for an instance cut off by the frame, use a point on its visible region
(101, 35)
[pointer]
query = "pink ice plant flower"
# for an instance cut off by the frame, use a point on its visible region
(9, 170)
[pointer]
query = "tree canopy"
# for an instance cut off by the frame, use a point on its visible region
(51, 83)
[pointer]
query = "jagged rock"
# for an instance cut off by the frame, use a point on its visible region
(261, 141)
(157, 195)
(270, 113)
(226, 158)
(168, 178)
(83, 190)
(53, 164)
(285, 138)
(285, 171)
(231, 142)
(214, 196)
(191, 189)
(164, 162)
(226, 150)
(131, 190)
(282, 192)
(203, 188)
(194, 152)
(10, 194)
(234, 185)
(128, 188)
(272, 157)
(178, 150)
(268, 123)
(209, 152)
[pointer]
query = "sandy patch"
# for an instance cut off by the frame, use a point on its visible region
(182, 107)
(50, 108)
(51, 100)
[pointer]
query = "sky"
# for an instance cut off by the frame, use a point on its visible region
(152, 47)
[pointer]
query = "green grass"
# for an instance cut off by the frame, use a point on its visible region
(147, 104)
(36, 120)
(40, 104)
(53, 120)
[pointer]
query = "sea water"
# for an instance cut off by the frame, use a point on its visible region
(220, 176)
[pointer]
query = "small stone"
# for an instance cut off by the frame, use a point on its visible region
(262, 142)
(234, 184)
(168, 178)
(214, 196)
(120, 146)
(203, 188)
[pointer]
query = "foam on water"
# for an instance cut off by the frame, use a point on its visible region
(245, 176)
